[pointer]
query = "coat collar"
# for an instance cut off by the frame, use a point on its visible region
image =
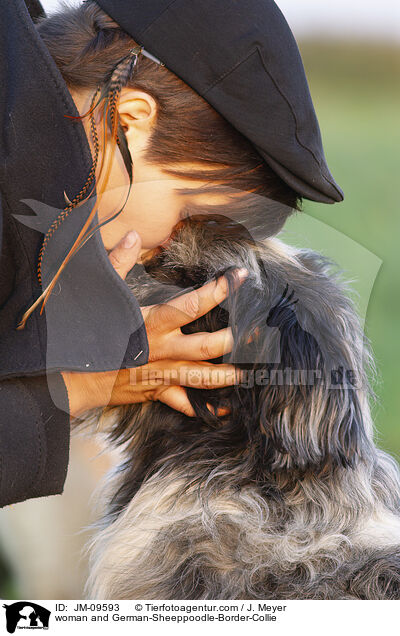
(92, 322)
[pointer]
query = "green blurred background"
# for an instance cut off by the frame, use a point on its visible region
(356, 91)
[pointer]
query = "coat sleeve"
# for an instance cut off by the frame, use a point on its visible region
(34, 438)
(34, 434)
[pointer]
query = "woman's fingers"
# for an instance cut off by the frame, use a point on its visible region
(203, 345)
(184, 309)
(124, 256)
(176, 397)
(200, 375)
(209, 376)
(148, 382)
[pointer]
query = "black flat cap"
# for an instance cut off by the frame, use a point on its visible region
(240, 56)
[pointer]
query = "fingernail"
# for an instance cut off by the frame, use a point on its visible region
(220, 412)
(242, 273)
(223, 411)
(130, 239)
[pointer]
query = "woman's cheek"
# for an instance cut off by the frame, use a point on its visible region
(154, 219)
(153, 233)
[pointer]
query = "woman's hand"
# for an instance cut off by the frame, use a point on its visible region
(163, 324)
(168, 370)
(162, 380)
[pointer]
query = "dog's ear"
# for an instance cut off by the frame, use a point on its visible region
(311, 428)
(313, 401)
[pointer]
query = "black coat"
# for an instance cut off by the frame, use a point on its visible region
(92, 322)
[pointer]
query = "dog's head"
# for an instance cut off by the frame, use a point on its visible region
(302, 404)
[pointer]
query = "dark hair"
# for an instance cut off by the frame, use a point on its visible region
(87, 44)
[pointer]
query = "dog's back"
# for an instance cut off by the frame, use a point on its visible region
(284, 497)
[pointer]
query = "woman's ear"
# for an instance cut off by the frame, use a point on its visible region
(138, 112)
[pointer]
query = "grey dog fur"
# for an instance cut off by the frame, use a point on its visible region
(287, 497)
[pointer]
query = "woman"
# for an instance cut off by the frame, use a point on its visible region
(235, 133)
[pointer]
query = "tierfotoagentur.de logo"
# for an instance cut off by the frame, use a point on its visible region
(26, 615)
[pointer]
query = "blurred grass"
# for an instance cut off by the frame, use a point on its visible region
(7, 587)
(356, 93)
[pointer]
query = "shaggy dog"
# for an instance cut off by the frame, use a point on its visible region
(284, 497)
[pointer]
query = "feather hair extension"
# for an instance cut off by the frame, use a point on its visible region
(80, 198)
(109, 96)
